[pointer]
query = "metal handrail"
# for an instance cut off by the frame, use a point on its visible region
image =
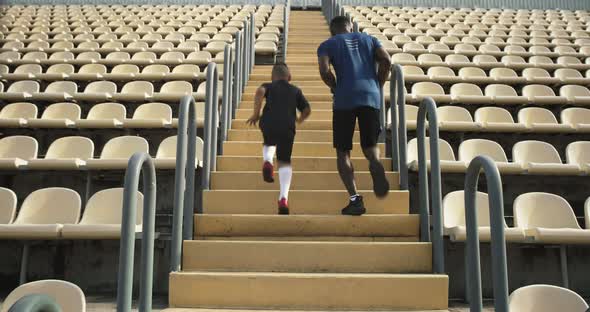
(184, 180)
(226, 106)
(211, 125)
(139, 163)
(399, 152)
(35, 303)
(498, 242)
(286, 17)
(237, 71)
(428, 108)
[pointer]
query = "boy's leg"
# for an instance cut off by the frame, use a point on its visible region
(370, 128)
(284, 151)
(268, 154)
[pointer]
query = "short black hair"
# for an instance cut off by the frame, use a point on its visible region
(338, 24)
(280, 71)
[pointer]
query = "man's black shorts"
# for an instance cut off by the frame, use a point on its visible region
(283, 140)
(343, 125)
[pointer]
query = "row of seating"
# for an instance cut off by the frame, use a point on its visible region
(528, 157)
(476, 75)
(102, 91)
(542, 218)
(466, 10)
(77, 153)
(99, 116)
(497, 94)
(497, 119)
(40, 218)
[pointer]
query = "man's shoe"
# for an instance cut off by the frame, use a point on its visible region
(380, 183)
(268, 172)
(283, 207)
(355, 207)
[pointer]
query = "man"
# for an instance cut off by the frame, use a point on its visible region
(356, 88)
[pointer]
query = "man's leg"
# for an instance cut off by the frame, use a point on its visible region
(346, 171)
(370, 128)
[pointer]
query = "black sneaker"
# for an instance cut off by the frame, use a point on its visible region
(380, 183)
(355, 207)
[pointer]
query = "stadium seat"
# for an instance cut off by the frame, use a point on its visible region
(173, 91)
(67, 153)
(135, 91)
(577, 117)
(8, 203)
(103, 115)
(58, 115)
(454, 219)
(117, 151)
(97, 91)
(549, 219)
(578, 153)
(166, 154)
(542, 94)
(575, 94)
(102, 217)
(68, 296)
(15, 151)
(20, 91)
(40, 218)
(15, 115)
(454, 118)
(539, 119)
(497, 119)
(425, 89)
(472, 148)
(150, 115)
(502, 94)
(545, 298)
(448, 163)
(538, 157)
(468, 93)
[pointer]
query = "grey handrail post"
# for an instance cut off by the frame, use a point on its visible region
(35, 303)
(139, 163)
(286, 13)
(252, 45)
(498, 242)
(211, 124)
(245, 56)
(226, 98)
(394, 120)
(400, 99)
(428, 108)
(237, 93)
(184, 180)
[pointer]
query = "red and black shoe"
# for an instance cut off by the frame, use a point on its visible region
(268, 172)
(283, 207)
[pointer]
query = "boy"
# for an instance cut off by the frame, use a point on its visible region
(278, 126)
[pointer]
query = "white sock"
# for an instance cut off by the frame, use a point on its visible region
(285, 174)
(268, 152)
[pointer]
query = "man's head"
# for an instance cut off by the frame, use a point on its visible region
(340, 25)
(280, 71)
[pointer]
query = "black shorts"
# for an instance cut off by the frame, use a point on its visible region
(283, 140)
(344, 122)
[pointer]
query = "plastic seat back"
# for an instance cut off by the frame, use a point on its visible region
(545, 298)
(107, 111)
(50, 206)
(453, 113)
(531, 115)
(543, 210)
(62, 111)
(19, 110)
(124, 147)
(445, 150)
(454, 209)
(19, 146)
(67, 295)
(575, 115)
(472, 148)
(71, 147)
(536, 152)
(106, 207)
(8, 203)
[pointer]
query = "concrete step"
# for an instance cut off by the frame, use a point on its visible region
(316, 114)
(254, 163)
(314, 104)
(307, 257)
(315, 149)
(307, 125)
(250, 310)
(260, 78)
(309, 96)
(299, 83)
(318, 226)
(313, 89)
(300, 202)
(301, 136)
(305, 181)
(308, 290)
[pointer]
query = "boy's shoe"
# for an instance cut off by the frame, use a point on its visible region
(283, 207)
(268, 172)
(380, 183)
(355, 207)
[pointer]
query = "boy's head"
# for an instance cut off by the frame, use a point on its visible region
(280, 71)
(340, 25)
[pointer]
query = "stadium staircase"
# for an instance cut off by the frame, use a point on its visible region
(245, 256)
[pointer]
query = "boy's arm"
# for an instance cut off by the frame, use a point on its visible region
(303, 107)
(258, 97)
(325, 72)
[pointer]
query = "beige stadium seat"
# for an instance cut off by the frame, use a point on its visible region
(166, 154)
(506, 75)
(472, 148)
(545, 298)
(36, 57)
(266, 48)
(150, 115)
(201, 38)
(575, 94)
(123, 72)
(414, 73)
(542, 95)
(8, 203)
(104, 115)
(442, 73)
(173, 57)
(425, 89)
(486, 61)
(577, 117)
(474, 75)
(90, 72)
(97, 91)
(455, 118)
(548, 218)
(57, 91)
(40, 218)
(538, 157)
(467, 93)
(541, 120)
(88, 57)
(20, 90)
(135, 91)
(173, 91)
(497, 119)
(502, 94)
(26, 71)
(578, 153)
(454, 219)
(414, 48)
(68, 296)
(67, 153)
(404, 59)
(184, 72)
(146, 57)
(58, 72)
(570, 75)
(102, 217)
(16, 150)
(447, 156)
(117, 151)
(15, 115)
(199, 58)
(9, 57)
(58, 115)
(154, 72)
(539, 75)
(201, 93)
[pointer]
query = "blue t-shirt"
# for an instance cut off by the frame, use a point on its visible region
(353, 57)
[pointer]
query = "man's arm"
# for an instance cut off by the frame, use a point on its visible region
(384, 65)
(258, 97)
(325, 72)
